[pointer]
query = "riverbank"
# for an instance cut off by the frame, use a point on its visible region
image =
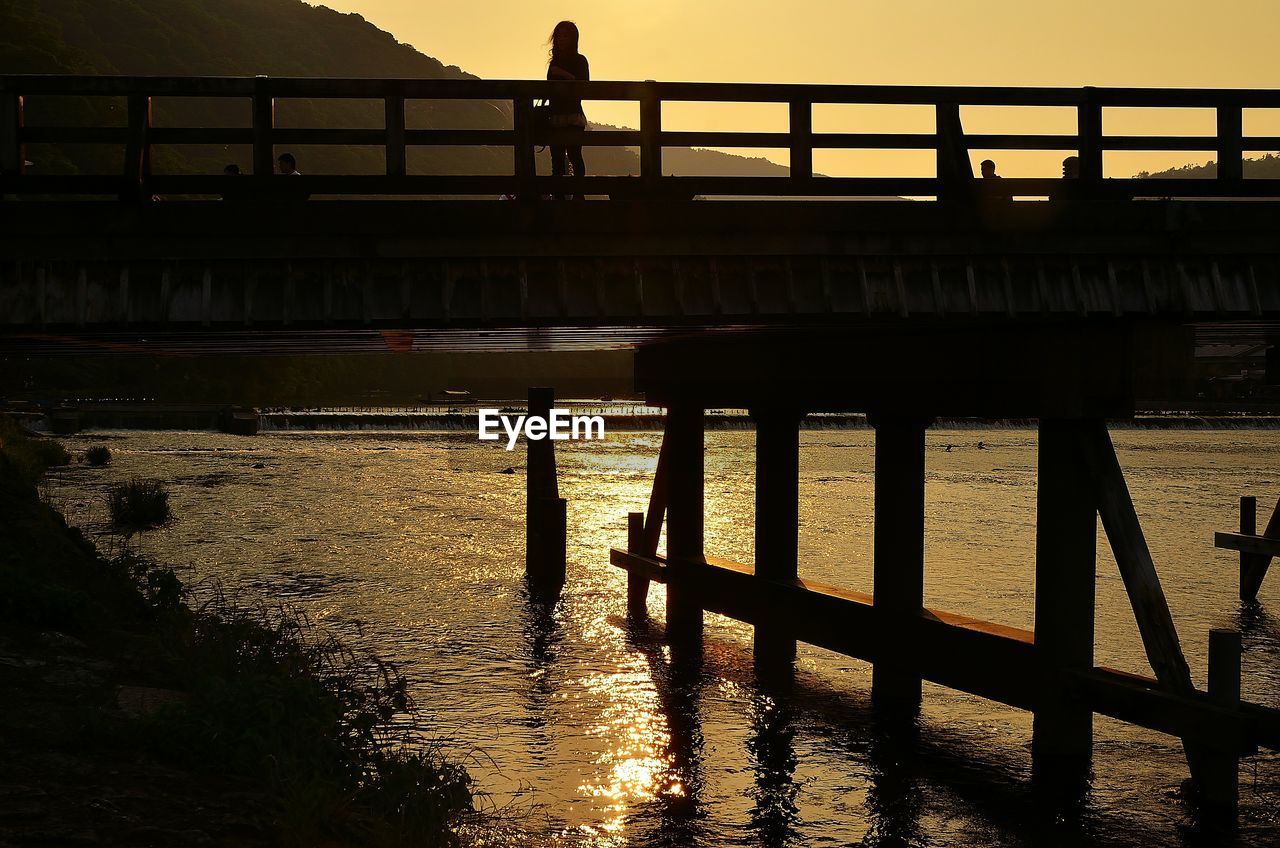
(132, 717)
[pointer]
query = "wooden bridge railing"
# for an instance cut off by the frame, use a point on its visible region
(951, 145)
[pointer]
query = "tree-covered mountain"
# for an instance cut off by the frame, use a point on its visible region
(1264, 168)
(272, 37)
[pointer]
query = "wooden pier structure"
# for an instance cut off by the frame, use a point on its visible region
(784, 296)
(1071, 382)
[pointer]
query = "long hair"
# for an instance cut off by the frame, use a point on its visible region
(570, 27)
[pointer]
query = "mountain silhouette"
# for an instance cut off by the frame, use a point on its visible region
(275, 38)
(1263, 168)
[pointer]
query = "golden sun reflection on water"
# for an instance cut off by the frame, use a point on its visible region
(634, 750)
(412, 545)
(633, 762)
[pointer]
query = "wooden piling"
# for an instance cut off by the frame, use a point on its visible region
(1066, 564)
(1256, 552)
(1248, 527)
(777, 523)
(637, 583)
(1253, 566)
(546, 521)
(1219, 768)
(898, 568)
(684, 516)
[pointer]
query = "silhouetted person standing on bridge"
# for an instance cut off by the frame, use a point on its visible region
(289, 167)
(990, 179)
(1069, 191)
(231, 170)
(566, 113)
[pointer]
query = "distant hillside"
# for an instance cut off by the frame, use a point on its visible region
(273, 37)
(1268, 167)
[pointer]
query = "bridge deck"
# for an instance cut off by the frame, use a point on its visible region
(618, 273)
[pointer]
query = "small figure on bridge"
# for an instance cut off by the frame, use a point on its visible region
(1069, 190)
(566, 114)
(288, 165)
(990, 187)
(232, 170)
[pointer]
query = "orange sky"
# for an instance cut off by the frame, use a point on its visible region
(1230, 43)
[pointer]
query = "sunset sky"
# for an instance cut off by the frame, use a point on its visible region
(1166, 43)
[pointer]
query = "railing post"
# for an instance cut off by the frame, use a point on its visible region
(526, 166)
(801, 140)
(397, 164)
(1230, 143)
(137, 151)
(1089, 130)
(12, 156)
(264, 121)
(955, 173)
(650, 137)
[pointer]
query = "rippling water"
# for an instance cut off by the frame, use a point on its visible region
(412, 543)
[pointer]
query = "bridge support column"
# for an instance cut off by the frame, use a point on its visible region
(777, 526)
(1066, 555)
(684, 518)
(898, 553)
(1220, 767)
(546, 521)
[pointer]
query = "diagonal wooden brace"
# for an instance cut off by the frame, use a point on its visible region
(643, 532)
(1137, 569)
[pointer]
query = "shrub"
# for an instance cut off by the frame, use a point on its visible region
(330, 731)
(98, 455)
(50, 454)
(139, 505)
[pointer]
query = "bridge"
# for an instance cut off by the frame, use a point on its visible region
(782, 296)
(408, 252)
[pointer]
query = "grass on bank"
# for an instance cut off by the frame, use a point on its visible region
(138, 505)
(328, 735)
(98, 456)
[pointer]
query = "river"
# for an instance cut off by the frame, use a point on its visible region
(411, 543)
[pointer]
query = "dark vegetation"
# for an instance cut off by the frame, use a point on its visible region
(276, 38)
(138, 505)
(191, 723)
(97, 456)
(46, 453)
(1264, 168)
